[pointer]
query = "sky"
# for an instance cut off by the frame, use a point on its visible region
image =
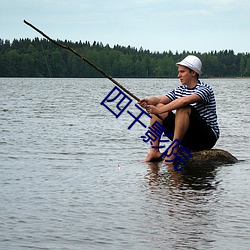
(155, 25)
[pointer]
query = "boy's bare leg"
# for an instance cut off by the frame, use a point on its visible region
(154, 154)
(181, 127)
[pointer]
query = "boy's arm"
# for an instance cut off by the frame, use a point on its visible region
(154, 101)
(176, 104)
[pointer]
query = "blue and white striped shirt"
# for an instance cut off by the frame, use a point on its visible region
(206, 108)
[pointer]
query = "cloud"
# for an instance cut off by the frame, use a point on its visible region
(83, 6)
(152, 24)
(222, 2)
(225, 5)
(149, 2)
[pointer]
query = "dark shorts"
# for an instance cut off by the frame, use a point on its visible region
(199, 135)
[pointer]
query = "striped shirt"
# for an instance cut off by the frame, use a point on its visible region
(206, 108)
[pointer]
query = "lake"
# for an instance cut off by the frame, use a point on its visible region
(72, 176)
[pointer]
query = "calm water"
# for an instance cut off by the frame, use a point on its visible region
(72, 175)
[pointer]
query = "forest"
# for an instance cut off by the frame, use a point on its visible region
(41, 58)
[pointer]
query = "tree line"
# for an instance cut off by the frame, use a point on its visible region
(41, 58)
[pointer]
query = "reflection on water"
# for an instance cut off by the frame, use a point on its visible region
(186, 198)
(190, 203)
(190, 177)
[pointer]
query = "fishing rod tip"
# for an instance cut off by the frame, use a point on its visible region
(25, 21)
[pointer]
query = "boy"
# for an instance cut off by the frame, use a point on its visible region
(195, 122)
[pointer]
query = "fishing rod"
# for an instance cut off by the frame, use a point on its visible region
(87, 61)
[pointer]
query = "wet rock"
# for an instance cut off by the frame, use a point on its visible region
(211, 157)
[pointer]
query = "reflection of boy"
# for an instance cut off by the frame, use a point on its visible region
(195, 122)
(181, 151)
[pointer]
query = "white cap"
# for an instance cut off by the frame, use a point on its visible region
(191, 62)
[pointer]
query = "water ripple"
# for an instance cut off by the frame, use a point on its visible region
(72, 175)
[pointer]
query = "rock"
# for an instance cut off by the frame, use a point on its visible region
(213, 157)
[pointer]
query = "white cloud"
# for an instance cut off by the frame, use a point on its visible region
(152, 24)
(224, 5)
(222, 2)
(149, 2)
(83, 6)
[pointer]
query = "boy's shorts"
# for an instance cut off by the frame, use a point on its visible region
(199, 135)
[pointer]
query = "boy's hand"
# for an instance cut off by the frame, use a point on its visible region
(144, 102)
(151, 109)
